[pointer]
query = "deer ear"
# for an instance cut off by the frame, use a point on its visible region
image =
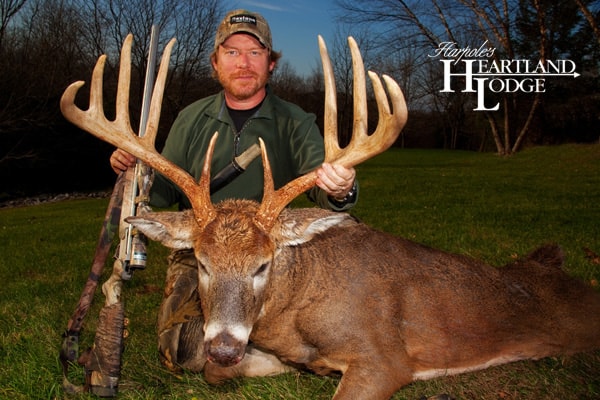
(172, 229)
(297, 226)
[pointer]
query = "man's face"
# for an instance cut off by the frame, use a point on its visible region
(243, 67)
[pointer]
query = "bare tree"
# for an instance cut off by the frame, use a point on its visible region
(42, 55)
(49, 44)
(192, 22)
(285, 79)
(590, 18)
(8, 9)
(435, 21)
(402, 36)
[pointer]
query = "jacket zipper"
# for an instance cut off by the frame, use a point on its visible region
(237, 137)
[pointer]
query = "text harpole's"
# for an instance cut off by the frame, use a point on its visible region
(481, 75)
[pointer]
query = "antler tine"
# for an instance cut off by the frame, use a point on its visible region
(157, 96)
(119, 132)
(361, 146)
(122, 119)
(330, 116)
(390, 123)
(199, 194)
(330, 132)
(96, 99)
(275, 201)
(359, 94)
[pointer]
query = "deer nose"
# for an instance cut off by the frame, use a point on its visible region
(224, 350)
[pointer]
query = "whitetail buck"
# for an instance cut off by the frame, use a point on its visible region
(319, 290)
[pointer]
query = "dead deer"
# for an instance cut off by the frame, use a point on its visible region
(316, 289)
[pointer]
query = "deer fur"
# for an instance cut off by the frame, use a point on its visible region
(325, 292)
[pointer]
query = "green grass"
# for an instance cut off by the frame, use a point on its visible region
(481, 205)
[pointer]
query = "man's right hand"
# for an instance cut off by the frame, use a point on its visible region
(120, 160)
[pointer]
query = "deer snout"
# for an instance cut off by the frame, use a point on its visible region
(225, 350)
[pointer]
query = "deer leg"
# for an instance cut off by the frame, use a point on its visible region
(381, 383)
(180, 321)
(255, 363)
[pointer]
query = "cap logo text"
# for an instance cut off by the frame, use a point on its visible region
(242, 19)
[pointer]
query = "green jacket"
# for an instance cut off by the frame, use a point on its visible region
(294, 147)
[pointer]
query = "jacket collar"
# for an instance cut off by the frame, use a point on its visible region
(218, 109)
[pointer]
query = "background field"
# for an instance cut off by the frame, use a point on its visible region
(470, 203)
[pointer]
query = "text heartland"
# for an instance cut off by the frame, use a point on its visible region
(480, 75)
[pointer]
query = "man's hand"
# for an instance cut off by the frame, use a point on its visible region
(336, 180)
(120, 160)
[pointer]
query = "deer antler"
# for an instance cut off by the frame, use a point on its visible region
(362, 146)
(120, 134)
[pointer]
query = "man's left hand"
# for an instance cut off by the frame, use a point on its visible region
(335, 179)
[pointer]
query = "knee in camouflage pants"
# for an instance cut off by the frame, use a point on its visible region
(180, 321)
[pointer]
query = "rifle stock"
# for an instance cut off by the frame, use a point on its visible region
(69, 351)
(234, 169)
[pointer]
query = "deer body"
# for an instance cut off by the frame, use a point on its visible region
(339, 296)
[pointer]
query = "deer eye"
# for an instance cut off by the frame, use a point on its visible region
(202, 268)
(261, 270)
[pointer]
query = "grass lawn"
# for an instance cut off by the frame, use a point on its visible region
(480, 205)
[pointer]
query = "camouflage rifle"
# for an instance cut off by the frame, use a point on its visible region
(102, 362)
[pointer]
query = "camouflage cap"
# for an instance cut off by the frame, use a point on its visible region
(242, 21)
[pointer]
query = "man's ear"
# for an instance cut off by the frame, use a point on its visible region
(172, 229)
(297, 226)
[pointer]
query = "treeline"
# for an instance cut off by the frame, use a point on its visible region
(46, 45)
(410, 31)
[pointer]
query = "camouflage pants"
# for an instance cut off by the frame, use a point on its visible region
(180, 321)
